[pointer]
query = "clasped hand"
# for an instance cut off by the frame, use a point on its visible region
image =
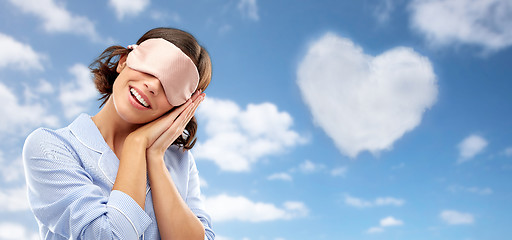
(159, 134)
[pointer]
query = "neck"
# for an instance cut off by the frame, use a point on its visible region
(112, 127)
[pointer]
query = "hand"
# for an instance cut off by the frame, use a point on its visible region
(175, 126)
(159, 134)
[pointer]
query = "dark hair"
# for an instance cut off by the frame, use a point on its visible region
(104, 70)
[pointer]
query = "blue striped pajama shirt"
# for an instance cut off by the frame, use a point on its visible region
(70, 173)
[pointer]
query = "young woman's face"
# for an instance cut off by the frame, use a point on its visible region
(138, 97)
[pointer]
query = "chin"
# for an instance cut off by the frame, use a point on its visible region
(127, 113)
(136, 120)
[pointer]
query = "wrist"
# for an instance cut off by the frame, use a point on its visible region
(136, 140)
(152, 155)
(154, 160)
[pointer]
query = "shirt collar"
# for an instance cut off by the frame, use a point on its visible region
(88, 133)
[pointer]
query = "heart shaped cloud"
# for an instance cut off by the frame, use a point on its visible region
(364, 102)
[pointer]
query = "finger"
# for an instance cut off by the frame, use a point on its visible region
(166, 139)
(162, 123)
(196, 93)
(196, 105)
(175, 113)
(178, 126)
(190, 112)
(183, 115)
(195, 100)
(173, 131)
(187, 116)
(181, 108)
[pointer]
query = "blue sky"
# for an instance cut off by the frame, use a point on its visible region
(324, 119)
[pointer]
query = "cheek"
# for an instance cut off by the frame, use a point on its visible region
(117, 85)
(165, 106)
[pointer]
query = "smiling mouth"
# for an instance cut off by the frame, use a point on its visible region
(139, 98)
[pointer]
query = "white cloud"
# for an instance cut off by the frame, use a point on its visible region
(390, 221)
(471, 146)
(280, 176)
(380, 201)
(455, 218)
(222, 237)
(32, 92)
(11, 171)
(128, 7)
(364, 102)
(375, 230)
(249, 9)
(385, 222)
(481, 191)
(399, 166)
(45, 87)
(487, 23)
(237, 137)
(383, 10)
(309, 167)
(202, 183)
(18, 55)
(383, 201)
(75, 95)
(15, 231)
(508, 151)
(57, 19)
(239, 208)
(476, 190)
(17, 118)
(14, 199)
(165, 16)
(357, 202)
(217, 237)
(339, 171)
(225, 28)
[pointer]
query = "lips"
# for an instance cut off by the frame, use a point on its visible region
(139, 98)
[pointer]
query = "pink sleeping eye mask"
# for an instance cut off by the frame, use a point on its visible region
(162, 59)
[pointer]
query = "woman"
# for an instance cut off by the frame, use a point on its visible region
(125, 173)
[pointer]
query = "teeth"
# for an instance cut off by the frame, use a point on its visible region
(141, 100)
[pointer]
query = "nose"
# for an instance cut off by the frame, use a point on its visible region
(153, 85)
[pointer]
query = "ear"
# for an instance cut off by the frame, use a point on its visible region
(121, 64)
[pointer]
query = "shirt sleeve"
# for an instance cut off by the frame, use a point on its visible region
(65, 200)
(195, 201)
